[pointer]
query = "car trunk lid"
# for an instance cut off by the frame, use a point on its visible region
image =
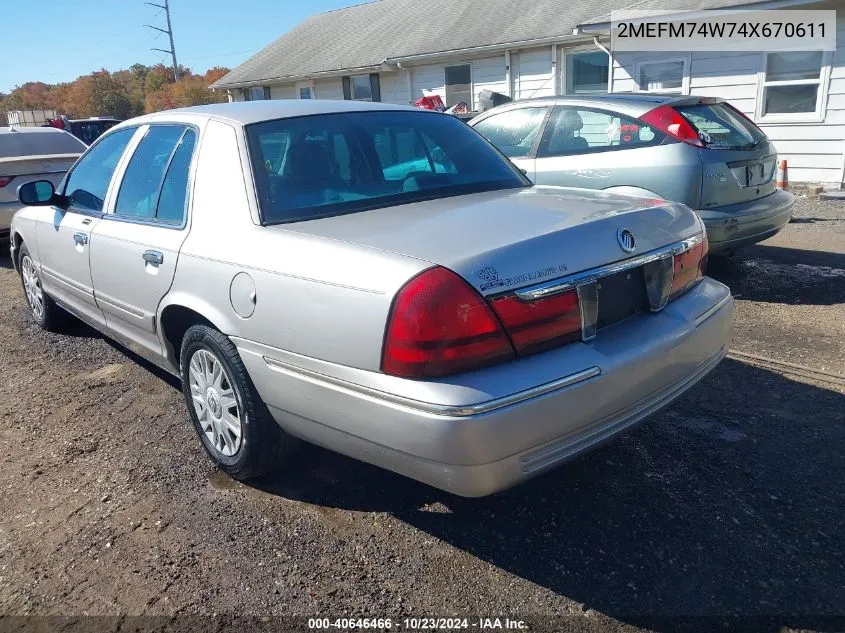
(16, 170)
(504, 240)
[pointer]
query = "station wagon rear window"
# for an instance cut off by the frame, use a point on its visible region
(318, 166)
(720, 126)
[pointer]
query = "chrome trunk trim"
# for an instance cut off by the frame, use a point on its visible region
(556, 286)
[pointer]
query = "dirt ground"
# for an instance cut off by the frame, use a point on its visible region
(729, 503)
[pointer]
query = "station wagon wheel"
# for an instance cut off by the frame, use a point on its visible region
(44, 310)
(232, 422)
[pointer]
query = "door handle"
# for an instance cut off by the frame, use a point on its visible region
(86, 221)
(153, 257)
(80, 238)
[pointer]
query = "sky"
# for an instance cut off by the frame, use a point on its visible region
(60, 40)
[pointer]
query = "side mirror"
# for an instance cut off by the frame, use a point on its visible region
(36, 193)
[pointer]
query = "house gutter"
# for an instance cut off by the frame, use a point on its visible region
(487, 48)
(340, 72)
(394, 63)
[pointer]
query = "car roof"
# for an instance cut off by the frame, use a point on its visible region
(630, 103)
(31, 130)
(246, 112)
(95, 119)
(37, 141)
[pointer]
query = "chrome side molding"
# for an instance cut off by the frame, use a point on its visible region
(456, 411)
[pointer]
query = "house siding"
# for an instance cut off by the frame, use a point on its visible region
(815, 151)
(533, 73)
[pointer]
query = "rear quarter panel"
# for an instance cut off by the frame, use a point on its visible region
(672, 171)
(312, 296)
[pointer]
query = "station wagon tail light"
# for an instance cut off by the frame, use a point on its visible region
(689, 267)
(5, 180)
(534, 326)
(439, 325)
(669, 121)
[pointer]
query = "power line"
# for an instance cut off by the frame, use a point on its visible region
(169, 31)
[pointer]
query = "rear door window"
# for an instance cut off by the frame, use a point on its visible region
(172, 208)
(145, 174)
(719, 126)
(513, 131)
(581, 131)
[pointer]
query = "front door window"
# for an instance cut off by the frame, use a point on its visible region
(87, 184)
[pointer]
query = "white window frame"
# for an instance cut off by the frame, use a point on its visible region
(305, 84)
(263, 93)
(471, 83)
(564, 69)
(685, 79)
(352, 87)
(823, 81)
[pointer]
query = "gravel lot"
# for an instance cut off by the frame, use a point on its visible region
(729, 503)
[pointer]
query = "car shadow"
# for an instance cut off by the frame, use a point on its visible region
(776, 274)
(729, 503)
(5, 257)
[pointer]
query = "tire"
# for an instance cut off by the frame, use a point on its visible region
(44, 311)
(232, 422)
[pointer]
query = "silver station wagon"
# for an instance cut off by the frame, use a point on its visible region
(697, 150)
(375, 279)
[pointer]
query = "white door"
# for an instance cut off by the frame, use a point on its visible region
(136, 244)
(64, 234)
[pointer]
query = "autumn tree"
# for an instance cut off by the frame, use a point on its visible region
(122, 94)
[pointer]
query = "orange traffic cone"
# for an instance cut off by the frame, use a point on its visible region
(782, 181)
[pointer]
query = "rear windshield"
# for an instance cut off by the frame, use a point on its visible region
(719, 126)
(318, 166)
(90, 131)
(39, 143)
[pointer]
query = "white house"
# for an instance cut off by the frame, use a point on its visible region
(398, 50)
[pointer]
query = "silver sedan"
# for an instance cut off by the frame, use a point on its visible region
(31, 153)
(377, 280)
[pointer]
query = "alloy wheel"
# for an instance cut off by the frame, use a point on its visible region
(32, 287)
(215, 403)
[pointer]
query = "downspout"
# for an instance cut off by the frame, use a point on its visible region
(602, 47)
(407, 72)
(508, 80)
(555, 72)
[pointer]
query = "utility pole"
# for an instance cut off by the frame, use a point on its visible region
(169, 31)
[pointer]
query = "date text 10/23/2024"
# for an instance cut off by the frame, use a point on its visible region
(417, 624)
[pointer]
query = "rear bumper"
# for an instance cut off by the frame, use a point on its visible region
(473, 449)
(7, 210)
(747, 223)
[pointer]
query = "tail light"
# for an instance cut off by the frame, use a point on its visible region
(5, 180)
(689, 267)
(669, 121)
(440, 325)
(541, 324)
